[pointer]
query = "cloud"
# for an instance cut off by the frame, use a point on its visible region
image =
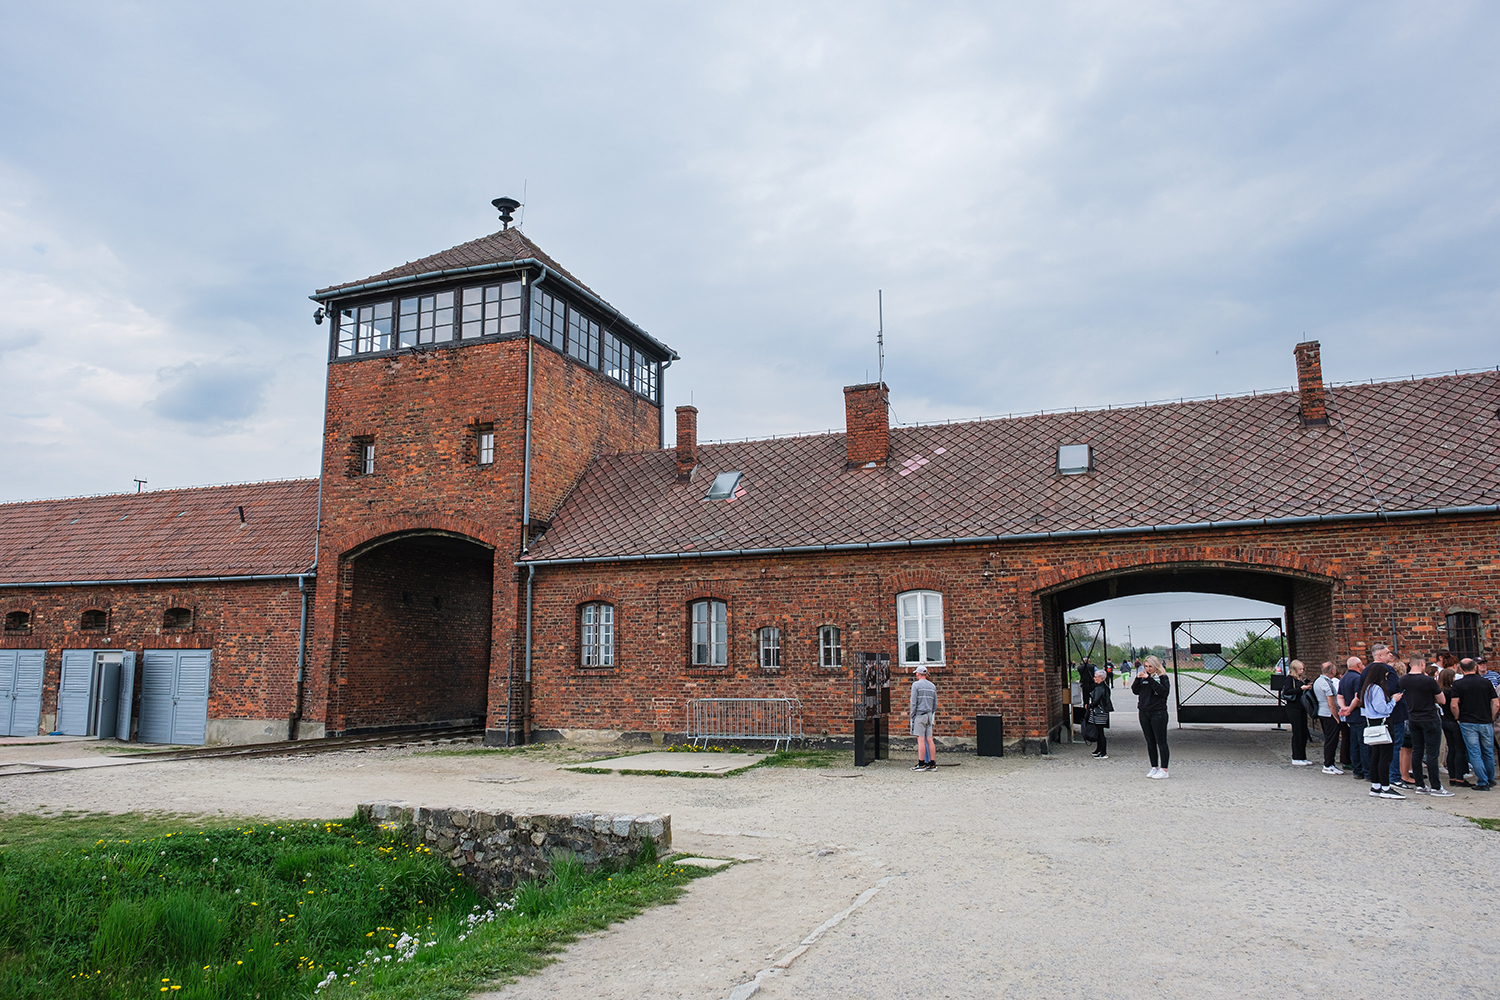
(208, 396)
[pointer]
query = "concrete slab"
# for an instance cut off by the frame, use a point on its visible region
(702, 862)
(683, 763)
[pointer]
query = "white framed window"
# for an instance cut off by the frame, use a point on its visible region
(921, 615)
(597, 640)
(367, 458)
(486, 446)
(769, 640)
(710, 626)
(830, 646)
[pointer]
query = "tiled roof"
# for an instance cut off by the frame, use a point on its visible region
(497, 248)
(165, 533)
(1423, 444)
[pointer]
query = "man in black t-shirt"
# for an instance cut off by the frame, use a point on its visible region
(1475, 703)
(1422, 696)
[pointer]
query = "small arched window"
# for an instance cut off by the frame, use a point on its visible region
(17, 621)
(177, 618)
(597, 635)
(94, 620)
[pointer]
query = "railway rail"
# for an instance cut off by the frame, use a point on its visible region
(281, 748)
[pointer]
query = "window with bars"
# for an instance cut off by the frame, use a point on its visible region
(425, 319)
(491, 309)
(921, 617)
(769, 640)
(17, 621)
(597, 635)
(179, 619)
(1464, 637)
(94, 620)
(830, 646)
(710, 633)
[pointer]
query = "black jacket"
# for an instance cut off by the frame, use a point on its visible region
(1151, 692)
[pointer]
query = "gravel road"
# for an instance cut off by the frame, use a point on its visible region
(1015, 877)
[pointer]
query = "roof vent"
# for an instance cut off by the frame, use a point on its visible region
(725, 483)
(1075, 459)
(506, 207)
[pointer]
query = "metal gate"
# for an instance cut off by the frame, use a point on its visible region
(1225, 670)
(174, 696)
(21, 691)
(1087, 643)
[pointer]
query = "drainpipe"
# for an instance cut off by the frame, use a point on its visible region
(526, 690)
(296, 720)
(526, 461)
(661, 401)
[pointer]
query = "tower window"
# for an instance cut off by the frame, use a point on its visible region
(18, 621)
(426, 319)
(363, 329)
(491, 309)
(94, 620)
(597, 635)
(710, 631)
(364, 456)
(583, 338)
(486, 445)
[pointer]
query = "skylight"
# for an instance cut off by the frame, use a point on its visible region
(1074, 459)
(725, 483)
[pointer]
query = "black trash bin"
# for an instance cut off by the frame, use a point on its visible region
(989, 735)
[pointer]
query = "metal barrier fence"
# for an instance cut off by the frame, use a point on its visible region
(776, 719)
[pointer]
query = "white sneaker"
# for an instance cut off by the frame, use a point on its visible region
(1161, 772)
(1152, 773)
(1301, 763)
(1333, 770)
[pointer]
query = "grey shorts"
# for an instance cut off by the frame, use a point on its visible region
(921, 725)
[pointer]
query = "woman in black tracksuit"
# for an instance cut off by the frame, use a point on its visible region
(1151, 687)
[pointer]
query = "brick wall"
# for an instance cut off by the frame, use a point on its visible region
(251, 627)
(998, 603)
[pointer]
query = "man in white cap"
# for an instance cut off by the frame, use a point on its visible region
(923, 711)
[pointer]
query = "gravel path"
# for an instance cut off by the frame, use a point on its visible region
(1023, 877)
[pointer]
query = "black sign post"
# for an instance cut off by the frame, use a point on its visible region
(872, 707)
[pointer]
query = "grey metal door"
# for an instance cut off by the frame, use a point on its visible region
(158, 675)
(107, 705)
(127, 692)
(75, 692)
(26, 693)
(190, 714)
(174, 695)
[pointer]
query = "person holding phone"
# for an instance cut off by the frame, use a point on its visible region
(1376, 707)
(1151, 687)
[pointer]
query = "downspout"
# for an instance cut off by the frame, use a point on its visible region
(296, 720)
(661, 401)
(526, 683)
(526, 460)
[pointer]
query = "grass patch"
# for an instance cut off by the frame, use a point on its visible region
(808, 759)
(135, 907)
(1488, 824)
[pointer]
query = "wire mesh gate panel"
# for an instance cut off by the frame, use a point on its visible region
(1225, 670)
(775, 719)
(1087, 644)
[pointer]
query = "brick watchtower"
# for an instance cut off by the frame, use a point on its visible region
(467, 391)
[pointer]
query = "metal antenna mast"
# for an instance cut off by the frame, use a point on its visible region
(880, 333)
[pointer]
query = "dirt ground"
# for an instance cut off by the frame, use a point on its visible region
(1012, 877)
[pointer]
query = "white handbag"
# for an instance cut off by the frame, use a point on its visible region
(1377, 735)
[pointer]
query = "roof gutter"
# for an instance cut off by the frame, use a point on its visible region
(166, 579)
(507, 265)
(1033, 536)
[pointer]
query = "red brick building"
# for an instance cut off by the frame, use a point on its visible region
(500, 535)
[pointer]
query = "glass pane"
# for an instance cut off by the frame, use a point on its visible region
(700, 611)
(443, 325)
(721, 611)
(444, 300)
(913, 652)
(511, 290)
(510, 324)
(935, 652)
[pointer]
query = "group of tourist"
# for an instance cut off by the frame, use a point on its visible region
(1388, 721)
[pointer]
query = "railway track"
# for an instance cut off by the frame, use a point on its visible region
(281, 748)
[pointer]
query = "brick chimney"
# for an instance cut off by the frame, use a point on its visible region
(687, 442)
(1313, 406)
(867, 425)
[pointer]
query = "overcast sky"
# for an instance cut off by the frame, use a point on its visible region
(1065, 203)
